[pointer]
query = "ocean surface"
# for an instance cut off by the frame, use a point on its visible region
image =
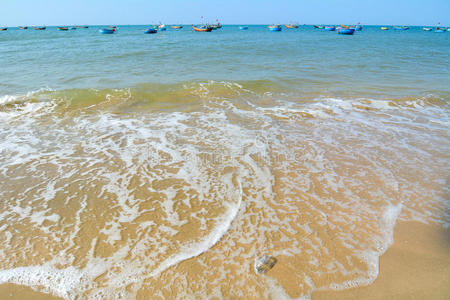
(164, 165)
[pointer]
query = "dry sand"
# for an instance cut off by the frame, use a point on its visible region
(417, 266)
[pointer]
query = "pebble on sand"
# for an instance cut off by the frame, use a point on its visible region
(264, 263)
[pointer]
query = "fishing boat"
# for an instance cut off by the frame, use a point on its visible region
(346, 31)
(40, 28)
(162, 27)
(202, 28)
(63, 28)
(216, 26)
(3, 28)
(384, 28)
(358, 27)
(319, 26)
(440, 30)
(274, 27)
(107, 30)
(330, 28)
(73, 28)
(23, 27)
(151, 31)
(243, 27)
(292, 26)
(176, 26)
(427, 29)
(401, 27)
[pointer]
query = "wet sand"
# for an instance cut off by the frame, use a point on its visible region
(12, 291)
(417, 266)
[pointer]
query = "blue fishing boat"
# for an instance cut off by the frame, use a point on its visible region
(274, 27)
(243, 27)
(347, 31)
(107, 30)
(440, 30)
(151, 31)
(330, 28)
(358, 27)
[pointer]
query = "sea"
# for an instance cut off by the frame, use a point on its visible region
(162, 166)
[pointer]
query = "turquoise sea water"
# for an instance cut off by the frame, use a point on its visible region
(167, 164)
(370, 63)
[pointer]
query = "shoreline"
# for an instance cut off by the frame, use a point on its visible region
(416, 266)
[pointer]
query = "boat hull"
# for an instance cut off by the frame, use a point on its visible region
(243, 27)
(384, 28)
(274, 28)
(150, 31)
(346, 31)
(106, 31)
(330, 28)
(201, 29)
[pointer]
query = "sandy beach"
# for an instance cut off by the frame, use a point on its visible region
(417, 266)
(167, 166)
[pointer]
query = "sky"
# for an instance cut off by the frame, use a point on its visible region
(121, 12)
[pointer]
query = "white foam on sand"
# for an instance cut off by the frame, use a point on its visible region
(134, 165)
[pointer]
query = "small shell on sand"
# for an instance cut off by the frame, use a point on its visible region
(264, 263)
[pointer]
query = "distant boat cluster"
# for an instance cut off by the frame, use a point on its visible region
(351, 29)
(62, 28)
(343, 29)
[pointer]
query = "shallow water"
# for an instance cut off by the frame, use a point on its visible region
(135, 165)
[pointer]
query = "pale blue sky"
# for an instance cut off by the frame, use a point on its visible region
(64, 12)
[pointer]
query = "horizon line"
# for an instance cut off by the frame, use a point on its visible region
(225, 24)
